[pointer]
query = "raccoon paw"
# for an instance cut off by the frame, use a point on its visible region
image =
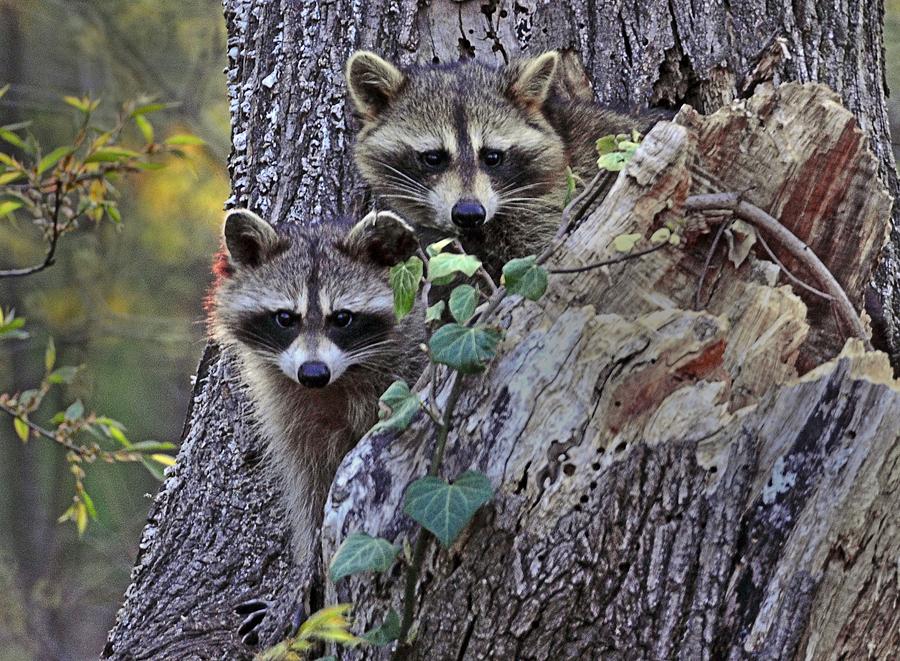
(255, 611)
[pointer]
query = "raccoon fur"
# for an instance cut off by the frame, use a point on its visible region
(476, 151)
(308, 312)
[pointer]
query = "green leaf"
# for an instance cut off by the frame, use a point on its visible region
(83, 104)
(14, 140)
(4, 90)
(661, 235)
(446, 264)
(437, 247)
(625, 242)
(184, 139)
(524, 276)
(464, 349)
(53, 158)
(151, 446)
(154, 470)
(571, 184)
(434, 312)
(75, 411)
(63, 375)
(606, 145)
(9, 206)
(360, 553)
(399, 407)
(89, 503)
(463, 301)
(21, 428)
(50, 355)
(444, 509)
(388, 632)
(145, 127)
(112, 155)
(404, 279)
(613, 162)
(147, 108)
(9, 177)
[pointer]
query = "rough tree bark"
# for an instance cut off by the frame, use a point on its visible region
(673, 490)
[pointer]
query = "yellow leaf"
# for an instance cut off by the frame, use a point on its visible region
(50, 355)
(21, 428)
(625, 242)
(164, 459)
(81, 517)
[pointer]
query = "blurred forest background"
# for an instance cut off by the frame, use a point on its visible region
(123, 299)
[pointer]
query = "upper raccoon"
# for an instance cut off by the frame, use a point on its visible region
(308, 312)
(473, 150)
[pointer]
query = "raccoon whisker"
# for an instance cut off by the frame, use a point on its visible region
(510, 190)
(404, 176)
(401, 185)
(417, 200)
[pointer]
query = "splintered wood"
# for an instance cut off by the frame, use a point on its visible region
(667, 479)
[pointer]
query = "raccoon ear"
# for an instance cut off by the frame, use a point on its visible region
(531, 79)
(248, 238)
(382, 237)
(372, 82)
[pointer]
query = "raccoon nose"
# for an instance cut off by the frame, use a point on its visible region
(314, 374)
(467, 214)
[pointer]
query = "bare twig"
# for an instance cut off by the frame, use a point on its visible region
(709, 256)
(608, 262)
(797, 248)
(49, 257)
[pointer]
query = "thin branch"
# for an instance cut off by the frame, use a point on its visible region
(608, 262)
(51, 248)
(797, 248)
(793, 278)
(709, 256)
(46, 433)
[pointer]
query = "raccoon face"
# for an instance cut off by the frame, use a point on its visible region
(315, 302)
(458, 148)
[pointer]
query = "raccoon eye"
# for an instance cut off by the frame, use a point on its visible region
(342, 318)
(492, 157)
(285, 318)
(433, 159)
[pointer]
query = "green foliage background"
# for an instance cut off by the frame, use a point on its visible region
(124, 300)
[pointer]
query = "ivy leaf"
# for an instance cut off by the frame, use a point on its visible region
(434, 312)
(613, 162)
(524, 276)
(444, 509)
(463, 300)
(437, 247)
(625, 242)
(53, 158)
(361, 553)
(404, 280)
(447, 263)
(606, 145)
(399, 407)
(388, 632)
(63, 375)
(464, 349)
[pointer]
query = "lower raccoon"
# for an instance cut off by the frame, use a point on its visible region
(309, 314)
(476, 151)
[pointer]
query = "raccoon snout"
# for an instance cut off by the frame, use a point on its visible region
(468, 214)
(314, 374)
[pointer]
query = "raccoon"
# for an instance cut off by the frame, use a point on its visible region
(476, 151)
(308, 312)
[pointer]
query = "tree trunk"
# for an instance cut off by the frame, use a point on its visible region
(665, 485)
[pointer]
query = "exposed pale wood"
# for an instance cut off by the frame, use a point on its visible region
(664, 556)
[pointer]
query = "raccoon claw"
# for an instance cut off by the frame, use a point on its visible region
(256, 611)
